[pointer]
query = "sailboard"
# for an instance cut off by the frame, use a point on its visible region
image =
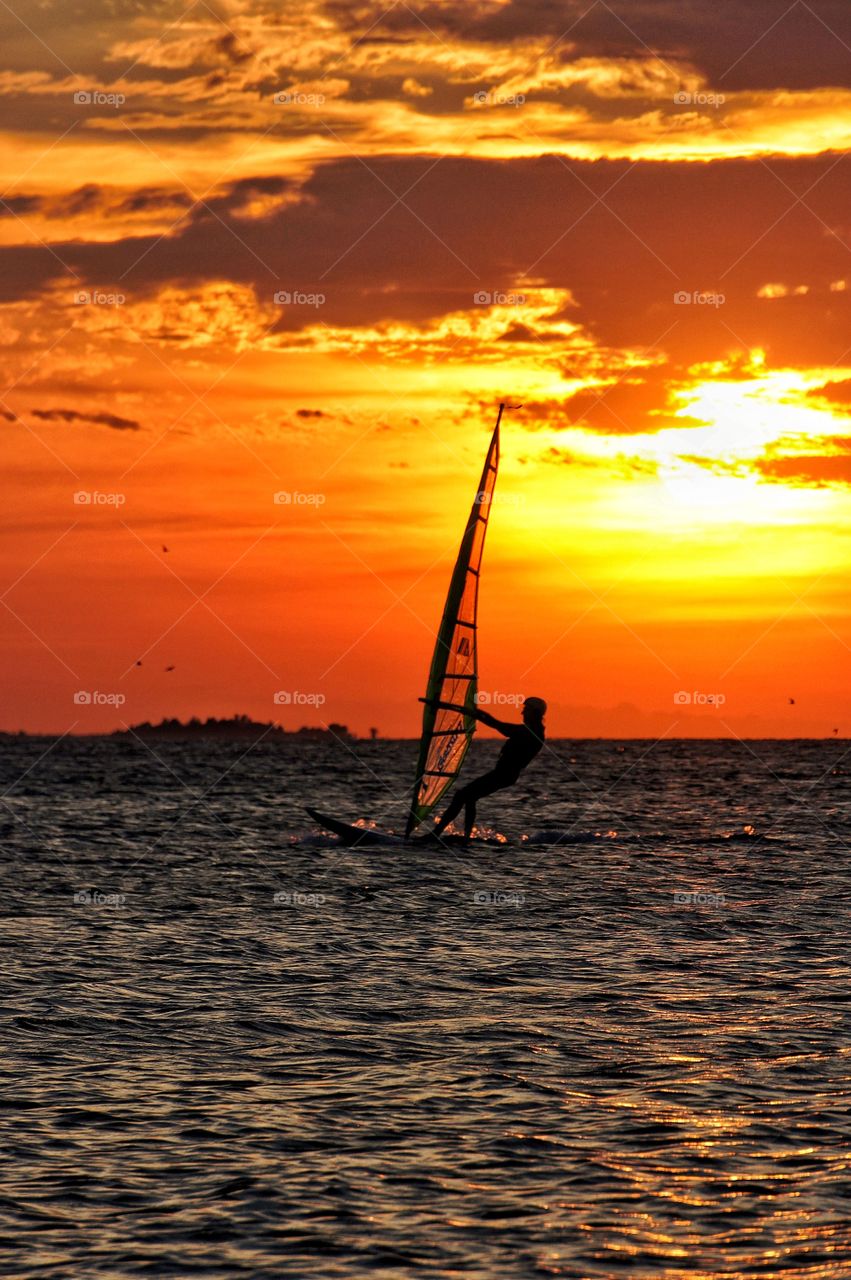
(355, 837)
(453, 674)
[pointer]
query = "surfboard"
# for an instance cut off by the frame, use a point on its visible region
(354, 836)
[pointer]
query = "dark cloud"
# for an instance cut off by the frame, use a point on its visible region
(99, 419)
(96, 200)
(522, 333)
(761, 44)
(153, 200)
(236, 197)
(658, 229)
(233, 49)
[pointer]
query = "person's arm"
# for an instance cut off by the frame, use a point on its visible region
(501, 726)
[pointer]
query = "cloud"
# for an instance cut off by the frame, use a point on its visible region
(613, 234)
(838, 393)
(413, 89)
(597, 249)
(761, 44)
(817, 471)
(99, 419)
(772, 291)
(93, 201)
(405, 79)
(628, 405)
(622, 465)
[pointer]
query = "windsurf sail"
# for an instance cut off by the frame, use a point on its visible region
(453, 676)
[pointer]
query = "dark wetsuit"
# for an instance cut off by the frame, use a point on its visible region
(522, 745)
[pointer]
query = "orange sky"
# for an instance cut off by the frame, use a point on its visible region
(247, 252)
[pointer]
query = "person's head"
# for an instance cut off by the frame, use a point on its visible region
(534, 710)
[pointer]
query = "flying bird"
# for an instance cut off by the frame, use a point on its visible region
(139, 662)
(165, 548)
(791, 702)
(171, 668)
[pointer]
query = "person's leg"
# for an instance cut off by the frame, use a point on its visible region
(484, 786)
(454, 807)
(466, 799)
(469, 816)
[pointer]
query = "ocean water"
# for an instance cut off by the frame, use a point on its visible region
(234, 1049)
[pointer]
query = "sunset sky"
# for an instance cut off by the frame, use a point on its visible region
(305, 249)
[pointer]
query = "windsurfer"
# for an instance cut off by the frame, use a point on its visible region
(524, 741)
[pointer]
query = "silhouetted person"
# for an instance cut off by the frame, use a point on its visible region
(524, 742)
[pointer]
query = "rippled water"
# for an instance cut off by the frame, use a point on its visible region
(536, 1060)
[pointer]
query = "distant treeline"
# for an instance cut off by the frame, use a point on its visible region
(235, 727)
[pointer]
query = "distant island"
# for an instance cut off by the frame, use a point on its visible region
(237, 728)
